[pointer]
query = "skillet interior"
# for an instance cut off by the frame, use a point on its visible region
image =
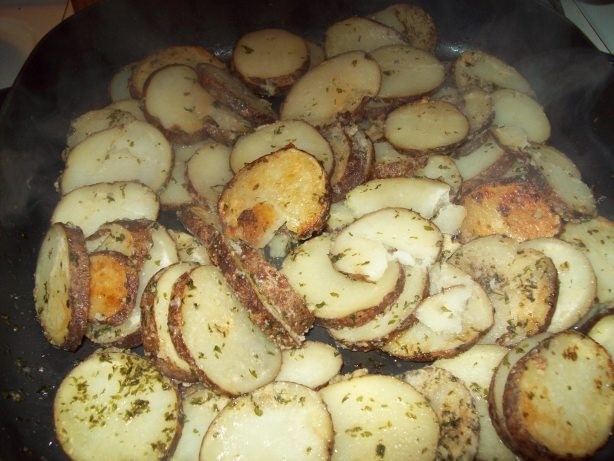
(68, 72)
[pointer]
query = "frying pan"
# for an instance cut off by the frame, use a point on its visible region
(68, 72)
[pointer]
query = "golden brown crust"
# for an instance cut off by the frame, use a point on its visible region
(113, 287)
(517, 209)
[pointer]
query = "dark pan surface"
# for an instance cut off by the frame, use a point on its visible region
(68, 73)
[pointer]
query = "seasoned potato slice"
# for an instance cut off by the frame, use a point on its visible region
(61, 292)
(286, 188)
(441, 168)
(477, 106)
(208, 171)
(515, 109)
(426, 125)
(95, 121)
(412, 21)
(390, 163)
(270, 60)
(119, 85)
(186, 55)
(487, 159)
(313, 364)
(603, 332)
(175, 193)
(377, 416)
(190, 248)
(359, 34)
(114, 400)
(291, 418)
(338, 86)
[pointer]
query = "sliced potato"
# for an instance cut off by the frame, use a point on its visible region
(603, 332)
(189, 248)
(595, 238)
(316, 53)
(338, 86)
(119, 85)
(513, 108)
(390, 163)
(477, 106)
(177, 103)
(61, 286)
(286, 188)
(377, 416)
(211, 330)
(359, 34)
(95, 121)
(114, 400)
(441, 168)
(412, 21)
(208, 171)
(313, 364)
(449, 218)
(131, 238)
(407, 72)
(487, 159)
(135, 151)
(425, 126)
(187, 55)
(291, 418)
(175, 193)
(270, 60)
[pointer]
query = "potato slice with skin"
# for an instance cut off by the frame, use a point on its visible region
(455, 410)
(366, 247)
(208, 171)
(270, 60)
(359, 34)
(377, 416)
(477, 68)
(426, 126)
(155, 306)
(338, 86)
(180, 107)
(603, 332)
(513, 108)
(595, 238)
(61, 292)
(313, 364)
(187, 55)
(113, 286)
(131, 238)
(199, 406)
(286, 188)
(566, 367)
(114, 400)
(291, 418)
(272, 137)
(390, 163)
(486, 160)
(175, 193)
(135, 151)
(577, 282)
(132, 106)
(412, 21)
(335, 299)
(211, 330)
(407, 72)
(95, 121)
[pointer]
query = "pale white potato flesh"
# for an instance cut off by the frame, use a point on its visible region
(407, 71)
(212, 331)
(135, 151)
(208, 171)
(449, 218)
(453, 404)
(114, 400)
(366, 247)
(340, 215)
(412, 21)
(175, 193)
(426, 125)
(477, 68)
(480, 159)
(477, 107)
(511, 137)
(576, 278)
(329, 293)
(377, 416)
(359, 34)
(313, 364)
(338, 85)
(442, 168)
(119, 85)
(513, 108)
(272, 137)
(375, 332)
(595, 238)
(422, 195)
(603, 332)
(281, 420)
(199, 406)
(130, 105)
(94, 121)
(189, 248)
(475, 367)
(91, 206)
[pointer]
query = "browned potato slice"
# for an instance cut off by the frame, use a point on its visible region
(113, 285)
(407, 72)
(212, 331)
(340, 85)
(286, 188)
(359, 34)
(477, 105)
(412, 21)
(517, 209)
(232, 92)
(558, 401)
(270, 60)
(187, 55)
(61, 286)
(177, 103)
(425, 126)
